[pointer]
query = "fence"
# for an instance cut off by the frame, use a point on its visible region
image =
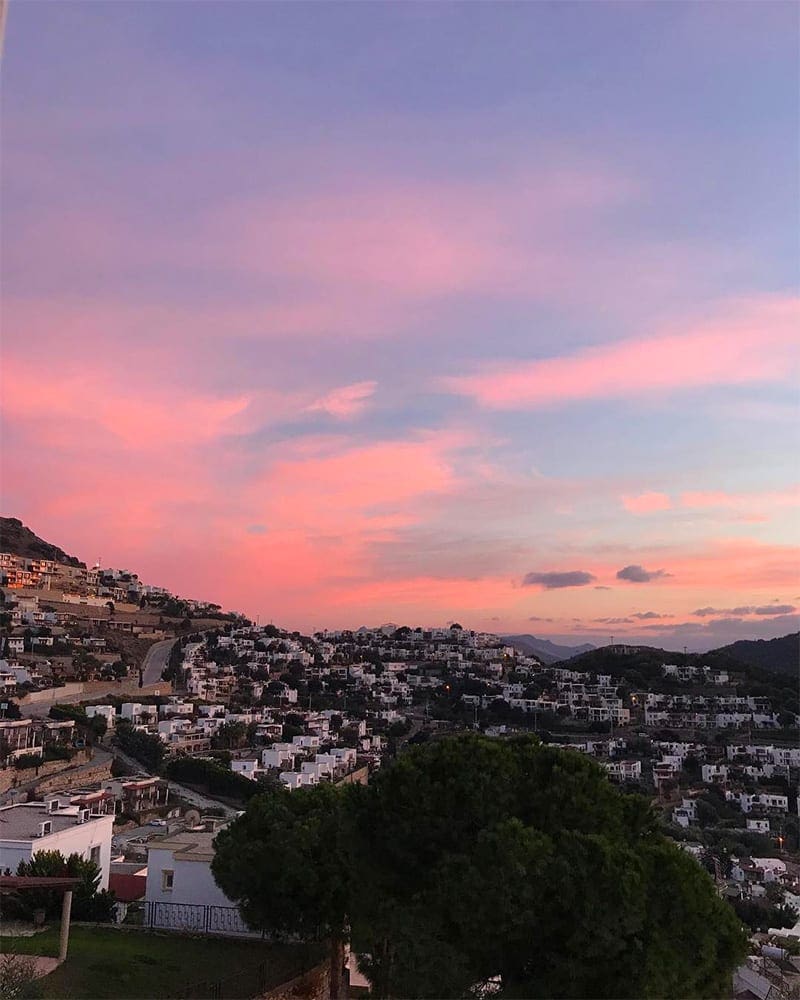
(304, 975)
(197, 919)
(242, 986)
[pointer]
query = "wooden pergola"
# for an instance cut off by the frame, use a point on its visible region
(19, 883)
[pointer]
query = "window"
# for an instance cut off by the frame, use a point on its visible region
(167, 880)
(94, 855)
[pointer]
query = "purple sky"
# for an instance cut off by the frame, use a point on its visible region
(346, 313)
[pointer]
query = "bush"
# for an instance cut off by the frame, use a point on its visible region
(760, 915)
(147, 749)
(27, 760)
(87, 902)
(214, 777)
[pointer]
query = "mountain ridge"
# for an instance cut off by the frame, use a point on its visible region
(548, 652)
(18, 539)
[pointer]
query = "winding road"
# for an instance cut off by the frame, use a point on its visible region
(155, 661)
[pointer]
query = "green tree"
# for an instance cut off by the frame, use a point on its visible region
(284, 863)
(470, 858)
(89, 901)
(230, 735)
(147, 749)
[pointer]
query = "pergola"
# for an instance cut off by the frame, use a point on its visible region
(19, 883)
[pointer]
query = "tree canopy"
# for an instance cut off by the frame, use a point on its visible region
(283, 861)
(469, 859)
(89, 902)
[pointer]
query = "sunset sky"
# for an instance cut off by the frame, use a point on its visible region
(341, 314)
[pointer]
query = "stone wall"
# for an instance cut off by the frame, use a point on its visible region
(75, 779)
(10, 776)
(57, 775)
(311, 985)
(94, 689)
(358, 777)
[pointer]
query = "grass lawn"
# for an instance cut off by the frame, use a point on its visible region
(107, 964)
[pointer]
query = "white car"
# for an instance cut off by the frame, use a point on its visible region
(157, 822)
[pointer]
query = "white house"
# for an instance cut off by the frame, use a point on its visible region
(292, 779)
(248, 768)
(626, 770)
(107, 712)
(763, 802)
(279, 755)
(306, 742)
(773, 868)
(27, 829)
(714, 774)
(181, 893)
(685, 814)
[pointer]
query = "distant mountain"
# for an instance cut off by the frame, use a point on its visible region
(21, 541)
(778, 656)
(546, 651)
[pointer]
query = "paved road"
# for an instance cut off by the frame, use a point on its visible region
(155, 661)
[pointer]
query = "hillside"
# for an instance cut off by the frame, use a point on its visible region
(779, 656)
(16, 538)
(548, 652)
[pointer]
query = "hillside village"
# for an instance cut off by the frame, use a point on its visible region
(143, 759)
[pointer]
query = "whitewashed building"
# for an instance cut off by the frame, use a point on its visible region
(28, 829)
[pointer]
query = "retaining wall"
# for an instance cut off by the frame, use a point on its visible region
(10, 776)
(311, 985)
(87, 690)
(75, 779)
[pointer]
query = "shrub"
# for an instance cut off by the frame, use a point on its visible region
(27, 760)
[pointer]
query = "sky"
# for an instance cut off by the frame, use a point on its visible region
(339, 314)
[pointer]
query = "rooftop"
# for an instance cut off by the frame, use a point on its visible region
(21, 822)
(188, 846)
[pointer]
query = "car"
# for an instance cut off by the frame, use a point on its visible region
(157, 822)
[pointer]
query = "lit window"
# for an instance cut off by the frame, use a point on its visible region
(167, 880)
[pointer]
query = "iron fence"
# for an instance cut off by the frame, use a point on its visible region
(197, 918)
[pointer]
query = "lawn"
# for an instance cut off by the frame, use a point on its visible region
(108, 964)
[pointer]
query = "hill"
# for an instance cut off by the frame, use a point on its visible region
(16, 538)
(778, 656)
(548, 652)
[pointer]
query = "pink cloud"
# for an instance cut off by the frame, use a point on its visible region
(346, 401)
(720, 499)
(756, 342)
(132, 412)
(646, 503)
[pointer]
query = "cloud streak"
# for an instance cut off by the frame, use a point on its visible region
(556, 580)
(756, 342)
(763, 611)
(646, 503)
(638, 574)
(347, 401)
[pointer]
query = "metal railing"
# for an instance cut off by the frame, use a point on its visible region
(197, 918)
